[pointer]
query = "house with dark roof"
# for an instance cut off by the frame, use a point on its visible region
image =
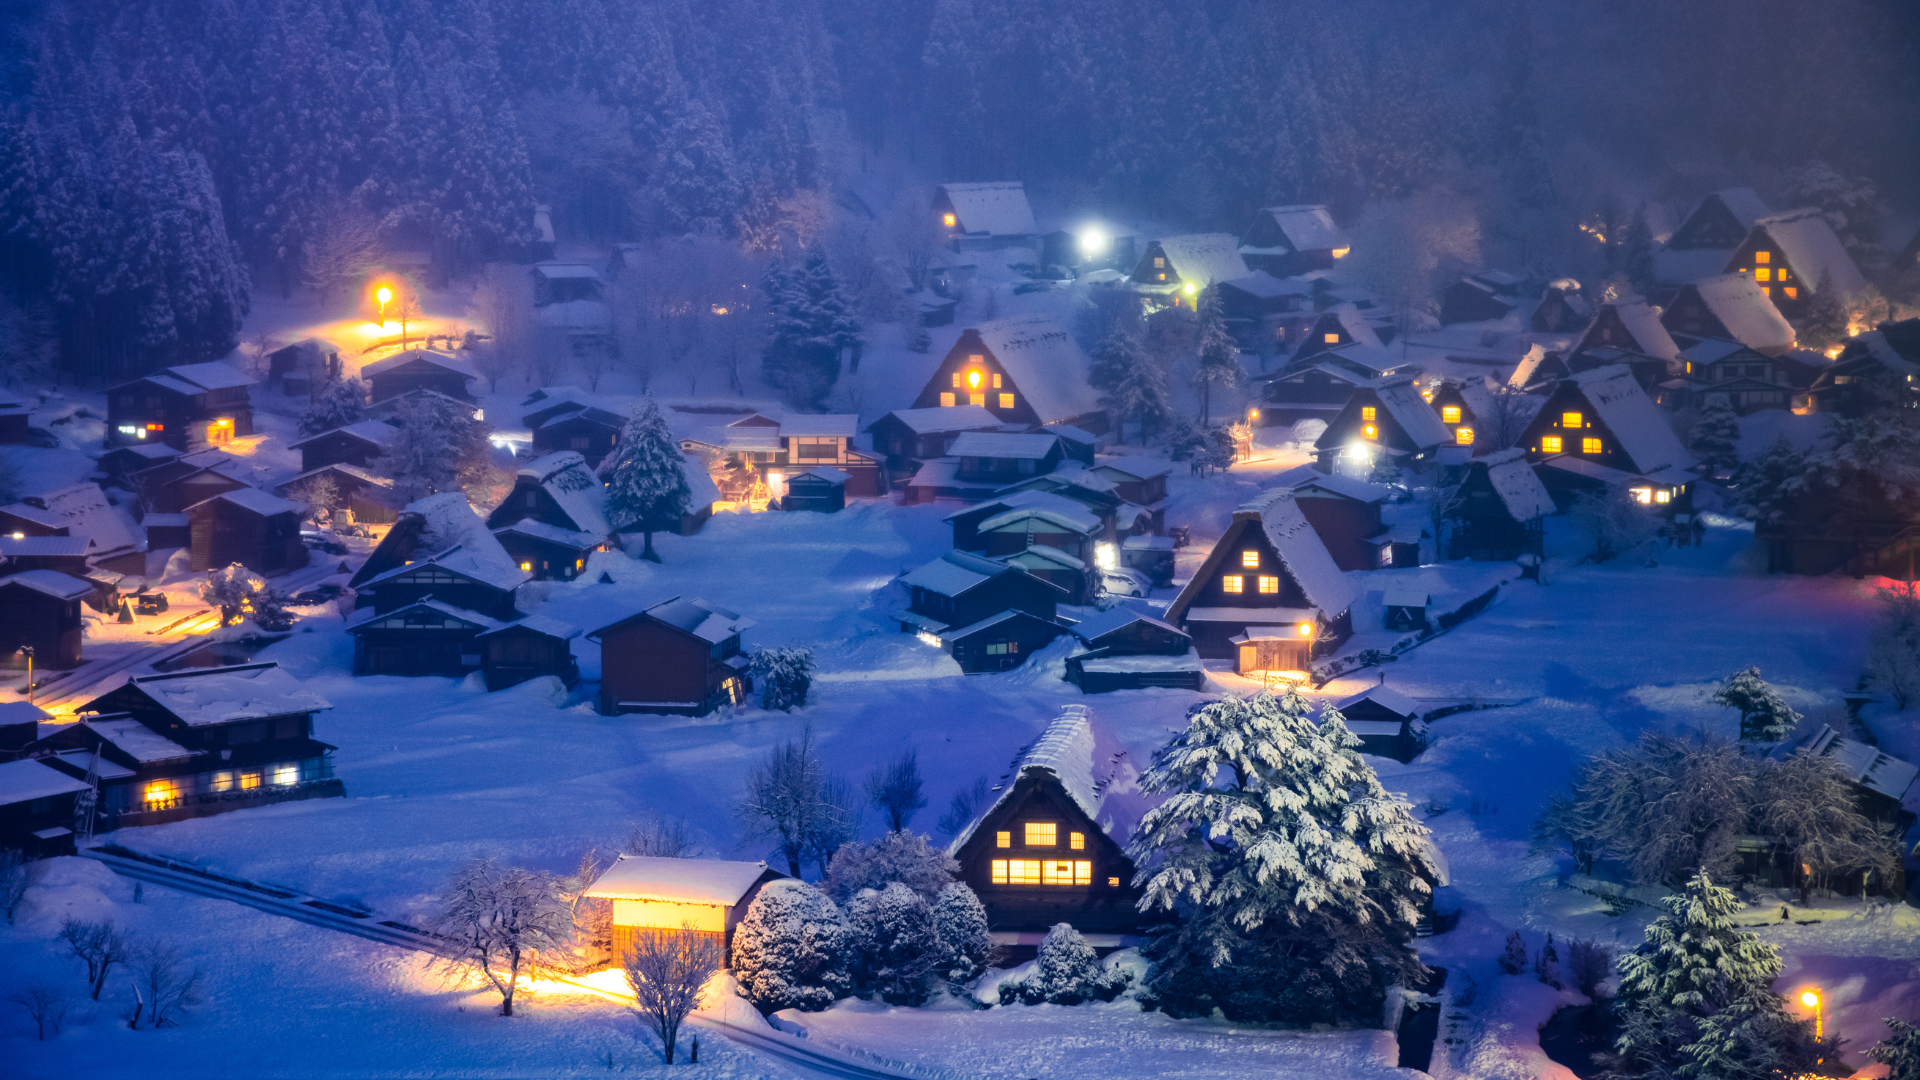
(1387, 722)
(84, 512)
(187, 407)
(588, 431)
(304, 365)
(1310, 391)
(67, 554)
(1482, 297)
(1269, 596)
(822, 489)
(1706, 239)
(19, 725)
(246, 526)
(37, 805)
(1498, 510)
(1345, 512)
(368, 499)
(1179, 267)
(990, 616)
(1124, 648)
(1026, 370)
(475, 580)
(554, 518)
(1051, 847)
(412, 370)
(1262, 310)
(1286, 240)
(1599, 429)
(990, 214)
(911, 437)
(1730, 307)
(120, 461)
(680, 657)
(1384, 420)
(171, 487)
(562, 282)
(966, 523)
(1562, 309)
(357, 444)
(40, 610)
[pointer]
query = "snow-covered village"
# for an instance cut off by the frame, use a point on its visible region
(938, 539)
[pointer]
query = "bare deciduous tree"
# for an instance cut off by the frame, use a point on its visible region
(45, 1004)
(499, 920)
(667, 971)
(164, 984)
(322, 497)
(1612, 520)
(99, 945)
(658, 837)
(791, 798)
(895, 791)
(502, 305)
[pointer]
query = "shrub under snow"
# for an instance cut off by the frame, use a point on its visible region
(894, 946)
(960, 927)
(1066, 973)
(900, 856)
(790, 952)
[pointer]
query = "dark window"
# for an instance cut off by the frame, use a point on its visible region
(290, 727)
(253, 732)
(40, 806)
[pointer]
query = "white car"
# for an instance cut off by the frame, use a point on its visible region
(1121, 581)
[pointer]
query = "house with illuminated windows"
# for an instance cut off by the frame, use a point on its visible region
(1286, 240)
(1707, 237)
(1728, 307)
(1025, 370)
(678, 657)
(1794, 255)
(187, 407)
(1176, 268)
(1050, 848)
(1345, 511)
(1599, 429)
(1385, 420)
(554, 518)
(1338, 326)
(989, 214)
(1269, 597)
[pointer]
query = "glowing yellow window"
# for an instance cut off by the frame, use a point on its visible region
(977, 399)
(1250, 559)
(1663, 496)
(1042, 834)
(996, 380)
(974, 378)
(1449, 414)
(1333, 338)
(1113, 882)
(1642, 495)
(1233, 583)
(976, 358)
(1369, 413)
(1572, 419)
(1163, 277)
(1549, 444)
(956, 380)
(1791, 292)
(1369, 431)
(249, 780)
(1019, 872)
(1766, 290)
(162, 791)
(527, 566)
(1003, 838)
(1763, 273)
(1006, 401)
(947, 220)
(1158, 264)
(1066, 872)
(1077, 841)
(947, 399)
(1761, 258)
(1269, 584)
(286, 774)
(1589, 446)
(1463, 436)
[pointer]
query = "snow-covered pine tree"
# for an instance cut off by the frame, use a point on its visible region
(898, 857)
(439, 447)
(1546, 964)
(1065, 973)
(809, 322)
(1694, 998)
(1115, 354)
(790, 951)
(894, 942)
(1219, 354)
(1825, 323)
(1636, 252)
(1715, 439)
(960, 926)
(339, 403)
(646, 477)
(1765, 716)
(1764, 488)
(785, 674)
(1513, 959)
(1279, 845)
(1899, 1051)
(1142, 392)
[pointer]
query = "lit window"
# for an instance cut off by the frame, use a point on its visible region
(527, 566)
(1449, 414)
(1762, 258)
(1642, 495)
(973, 379)
(249, 780)
(947, 400)
(1003, 838)
(1269, 584)
(1766, 290)
(1763, 273)
(1663, 496)
(1159, 263)
(1016, 872)
(976, 358)
(1006, 401)
(1250, 559)
(1549, 444)
(996, 380)
(1370, 431)
(1369, 413)
(1463, 436)
(1233, 583)
(1113, 882)
(1791, 292)
(1163, 277)
(977, 399)
(1571, 419)
(1077, 841)
(947, 220)
(161, 791)
(1042, 834)
(1333, 338)
(956, 380)
(1066, 872)
(286, 774)
(1589, 446)
(223, 780)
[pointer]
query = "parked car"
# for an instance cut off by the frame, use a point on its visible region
(150, 603)
(321, 595)
(1120, 581)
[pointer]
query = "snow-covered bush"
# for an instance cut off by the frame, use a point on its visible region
(1588, 965)
(232, 591)
(894, 946)
(1066, 973)
(960, 928)
(338, 404)
(906, 858)
(1513, 959)
(1546, 964)
(790, 952)
(1765, 716)
(438, 447)
(785, 674)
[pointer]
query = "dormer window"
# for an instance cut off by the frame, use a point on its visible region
(1762, 258)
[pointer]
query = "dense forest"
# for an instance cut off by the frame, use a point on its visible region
(162, 159)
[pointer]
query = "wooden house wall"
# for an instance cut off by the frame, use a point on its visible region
(183, 418)
(1554, 315)
(1464, 301)
(417, 375)
(530, 499)
(1711, 225)
(1020, 535)
(585, 436)
(223, 534)
(645, 660)
(416, 650)
(1305, 394)
(1008, 470)
(1784, 287)
(1015, 589)
(1484, 529)
(458, 590)
(517, 654)
(1447, 396)
(958, 360)
(1343, 525)
(1350, 426)
(1143, 639)
(813, 493)
(50, 625)
(1026, 635)
(337, 448)
(544, 559)
(1687, 314)
(1105, 906)
(1566, 398)
(20, 820)
(175, 495)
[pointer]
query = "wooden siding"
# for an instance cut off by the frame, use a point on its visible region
(1104, 905)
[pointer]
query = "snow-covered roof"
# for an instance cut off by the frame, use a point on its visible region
(1308, 228)
(1119, 617)
(428, 356)
(1041, 557)
(1303, 476)
(996, 208)
(1204, 258)
(949, 418)
(1381, 695)
(51, 583)
(1737, 301)
(998, 444)
(1518, 486)
(378, 432)
(43, 546)
(211, 376)
(367, 616)
(138, 741)
(1642, 322)
(1690, 264)
(717, 882)
(1300, 550)
(709, 622)
(353, 471)
(702, 492)
(539, 624)
(254, 500)
(1866, 765)
(453, 530)
(1403, 402)
(1403, 593)
(557, 270)
(1813, 250)
(1626, 410)
(540, 530)
(1744, 203)
(1026, 497)
(22, 712)
(1046, 364)
(1266, 286)
(85, 511)
(1084, 759)
(1134, 664)
(580, 494)
(1073, 521)
(954, 573)
(1131, 466)
(25, 781)
(220, 695)
(845, 425)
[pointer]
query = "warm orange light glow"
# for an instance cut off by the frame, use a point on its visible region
(1253, 414)
(973, 379)
(948, 221)
(1370, 431)
(384, 295)
(1341, 253)
(1306, 629)
(1810, 999)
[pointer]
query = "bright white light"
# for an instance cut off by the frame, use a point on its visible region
(1093, 242)
(930, 639)
(1106, 556)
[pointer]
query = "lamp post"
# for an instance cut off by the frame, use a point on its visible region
(384, 296)
(1811, 999)
(28, 649)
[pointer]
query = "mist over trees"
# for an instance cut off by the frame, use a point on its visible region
(162, 159)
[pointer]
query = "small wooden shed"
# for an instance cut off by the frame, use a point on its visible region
(1387, 722)
(655, 895)
(823, 489)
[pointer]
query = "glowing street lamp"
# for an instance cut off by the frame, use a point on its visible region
(1811, 999)
(1092, 242)
(28, 649)
(384, 296)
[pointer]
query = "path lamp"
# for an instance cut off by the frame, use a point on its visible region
(1811, 999)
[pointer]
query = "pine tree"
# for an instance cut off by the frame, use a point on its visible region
(1636, 252)
(439, 447)
(1715, 439)
(1765, 487)
(646, 477)
(1826, 320)
(960, 926)
(1899, 1051)
(809, 322)
(1765, 716)
(1143, 393)
(1546, 965)
(790, 952)
(784, 673)
(894, 939)
(338, 404)
(1115, 355)
(1219, 353)
(1513, 959)
(1066, 972)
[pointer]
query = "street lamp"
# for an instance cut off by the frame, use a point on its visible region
(1811, 999)
(384, 296)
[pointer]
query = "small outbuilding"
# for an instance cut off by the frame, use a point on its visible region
(247, 526)
(418, 369)
(652, 895)
(528, 649)
(1406, 606)
(1387, 722)
(822, 489)
(1498, 509)
(358, 444)
(40, 609)
(36, 808)
(680, 657)
(1127, 649)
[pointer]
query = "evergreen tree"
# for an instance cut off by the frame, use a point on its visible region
(439, 447)
(895, 943)
(1765, 716)
(960, 926)
(785, 674)
(1066, 972)
(809, 322)
(1116, 354)
(790, 952)
(1281, 850)
(1636, 252)
(1826, 320)
(1143, 392)
(1765, 487)
(339, 403)
(1715, 439)
(1899, 1051)
(1513, 959)
(1219, 353)
(896, 858)
(646, 478)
